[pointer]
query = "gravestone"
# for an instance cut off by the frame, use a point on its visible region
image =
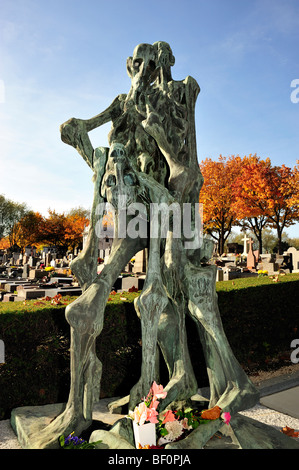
(48, 259)
(294, 254)
(26, 271)
(251, 259)
(139, 265)
(268, 263)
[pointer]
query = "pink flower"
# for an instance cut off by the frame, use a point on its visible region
(169, 416)
(157, 391)
(185, 424)
(152, 416)
(142, 413)
(226, 417)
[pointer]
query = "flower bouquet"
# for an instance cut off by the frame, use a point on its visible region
(153, 430)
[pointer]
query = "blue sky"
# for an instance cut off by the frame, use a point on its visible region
(62, 59)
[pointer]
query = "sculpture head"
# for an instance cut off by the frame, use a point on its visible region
(142, 67)
(165, 59)
(119, 184)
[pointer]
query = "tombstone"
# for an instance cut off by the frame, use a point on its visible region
(294, 258)
(48, 259)
(234, 248)
(251, 259)
(25, 259)
(15, 257)
(26, 271)
(32, 261)
(140, 262)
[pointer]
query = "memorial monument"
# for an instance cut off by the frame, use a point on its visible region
(151, 178)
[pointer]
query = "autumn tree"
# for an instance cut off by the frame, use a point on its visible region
(28, 231)
(250, 195)
(53, 229)
(266, 196)
(64, 229)
(283, 200)
(217, 197)
(74, 224)
(10, 214)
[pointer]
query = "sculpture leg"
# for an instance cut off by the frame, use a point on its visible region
(172, 340)
(150, 304)
(85, 316)
(230, 387)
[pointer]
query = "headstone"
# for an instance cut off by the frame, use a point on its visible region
(251, 260)
(15, 257)
(48, 259)
(140, 262)
(294, 258)
(235, 248)
(26, 270)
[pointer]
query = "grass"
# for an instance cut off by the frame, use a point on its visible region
(239, 283)
(115, 298)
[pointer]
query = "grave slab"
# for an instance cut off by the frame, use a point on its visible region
(286, 402)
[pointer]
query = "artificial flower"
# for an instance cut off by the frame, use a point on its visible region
(212, 413)
(185, 424)
(168, 416)
(226, 417)
(174, 431)
(157, 391)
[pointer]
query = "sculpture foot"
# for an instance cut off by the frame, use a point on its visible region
(178, 389)
(68, 421)
(236, 399)
(199, 437)
(116, 406)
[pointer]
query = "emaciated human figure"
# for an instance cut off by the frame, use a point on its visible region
(151, 159)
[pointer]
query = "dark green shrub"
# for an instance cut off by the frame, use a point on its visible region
(260, 318)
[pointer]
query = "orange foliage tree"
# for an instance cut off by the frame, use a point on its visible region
(74, 225)
(64, 229)
(28, 229)
(217, 197)
(266, 195)
(251, 193)
(283, 201)
(52, 230)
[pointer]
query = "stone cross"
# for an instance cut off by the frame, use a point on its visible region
(245, 240)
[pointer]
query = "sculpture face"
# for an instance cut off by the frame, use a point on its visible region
(120, 182)
(142, 67)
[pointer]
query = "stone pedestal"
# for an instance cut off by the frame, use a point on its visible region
(242, 433)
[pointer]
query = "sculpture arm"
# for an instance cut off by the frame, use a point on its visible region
(74, 132)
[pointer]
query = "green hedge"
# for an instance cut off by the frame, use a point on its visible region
(260, 319)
